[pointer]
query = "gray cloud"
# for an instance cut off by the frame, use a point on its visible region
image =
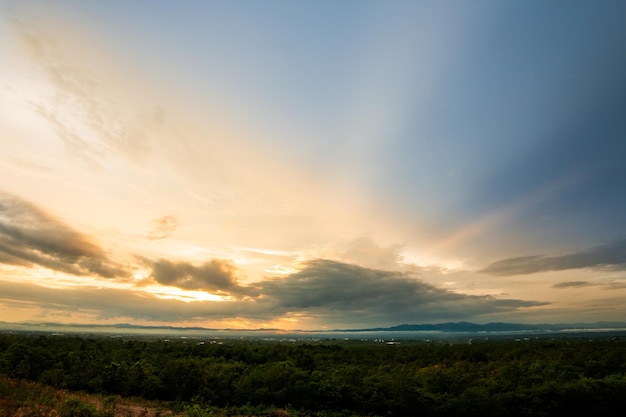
(612, 255)
(616, 285)
(163, 227)
(30, 236)
(350, 294)
(572, 284)
(214, 275)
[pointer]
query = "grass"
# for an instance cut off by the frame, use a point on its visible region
(19, 398)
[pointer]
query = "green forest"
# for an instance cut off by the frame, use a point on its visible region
(524, 377)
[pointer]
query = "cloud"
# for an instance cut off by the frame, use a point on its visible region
(572, 284)
(324, 293)
(615, 285)
(92, 116)
(215, 275)
(364, 251)
(346, 293)
(74, 144)
(620, 285)
(30, 236)
(114, 303)
(163, 227)
(612, 255)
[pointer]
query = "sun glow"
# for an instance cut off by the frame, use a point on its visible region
(281, 270)
(173, 293)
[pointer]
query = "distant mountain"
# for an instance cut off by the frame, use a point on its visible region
(467, 327)
(449, 327)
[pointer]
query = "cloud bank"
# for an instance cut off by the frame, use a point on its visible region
(29, 236)
(612, 256)
(323, 292)
(353, 294)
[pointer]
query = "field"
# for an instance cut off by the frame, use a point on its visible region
(104, 376)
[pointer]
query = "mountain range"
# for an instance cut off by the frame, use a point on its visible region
(467, 327)
(449, 327)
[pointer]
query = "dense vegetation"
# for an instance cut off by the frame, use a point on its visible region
(535, 377)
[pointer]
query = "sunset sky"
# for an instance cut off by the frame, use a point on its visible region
(312, 165)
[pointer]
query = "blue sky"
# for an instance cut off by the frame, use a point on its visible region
(312, 164)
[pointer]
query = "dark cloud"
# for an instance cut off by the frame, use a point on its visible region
(163, 227)
(215, 275)
(572, 284)
(618, 285)
(347, 293)
(612, 255)
(30, 236)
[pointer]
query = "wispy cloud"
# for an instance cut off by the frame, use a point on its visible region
(74, 144)
(612, 255)
(572, 284)
(365, 252)
(616, 284)
(163, 227)
(30, 236)
(83, 112)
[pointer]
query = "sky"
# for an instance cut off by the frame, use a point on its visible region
(312, 164)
